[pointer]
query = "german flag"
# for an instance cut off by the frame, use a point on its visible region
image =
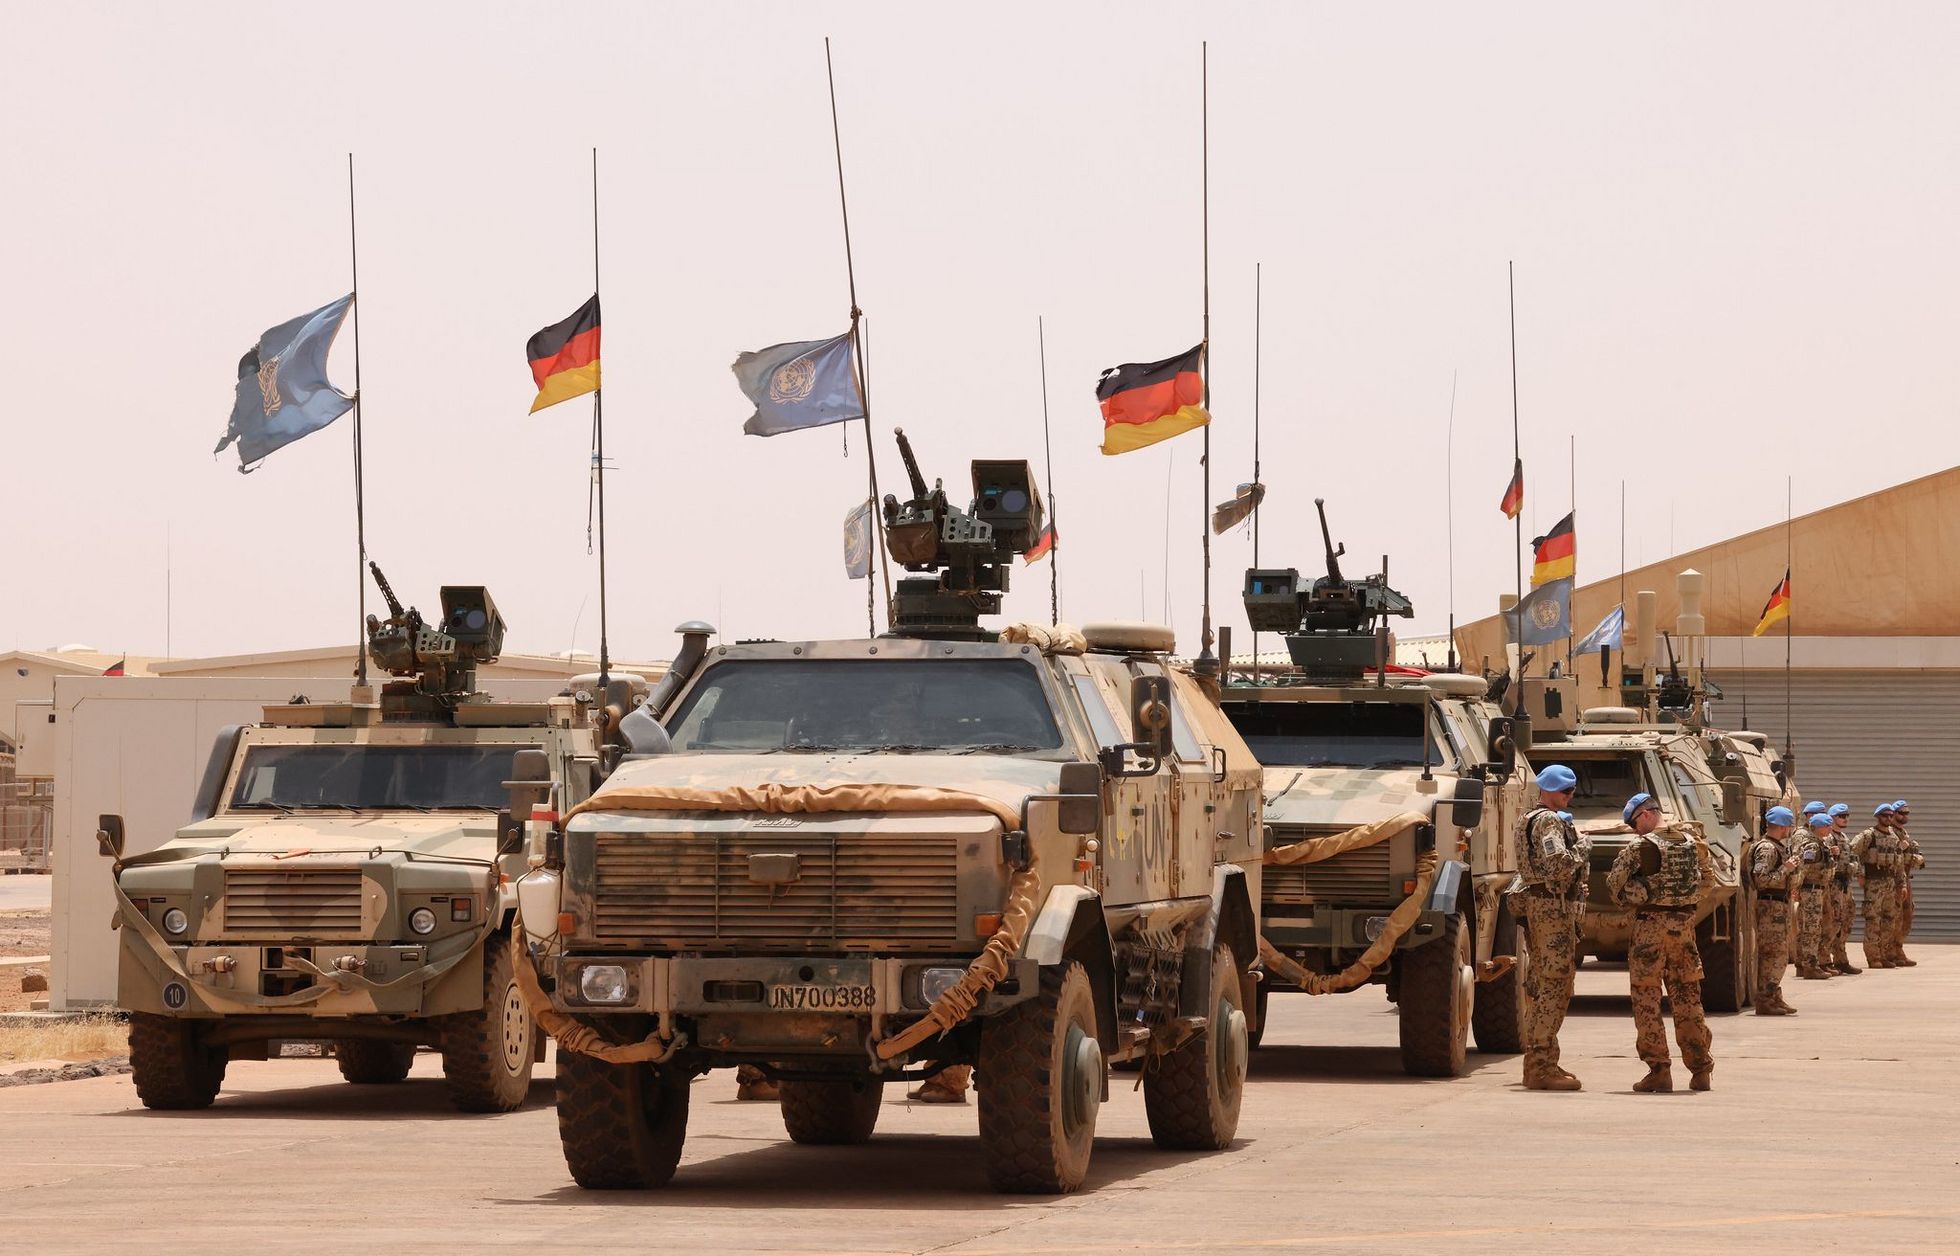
(1043, 544)
(116, 668)
(1554, 555)
(565, 357)
(1145, 402)
(1778, 606)
(1513, 502)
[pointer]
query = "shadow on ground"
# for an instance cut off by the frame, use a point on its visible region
(425, 1097)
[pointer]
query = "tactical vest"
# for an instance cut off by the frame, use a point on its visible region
(1531, 873)
(1815, 854)
(1672, 871)
(1883, 854)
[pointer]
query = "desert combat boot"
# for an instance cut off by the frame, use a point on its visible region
(1659, 1080)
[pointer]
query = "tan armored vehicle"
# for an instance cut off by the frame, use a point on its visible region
(853, 863)
(347, 877)
(1388, 822)
(1659, 743)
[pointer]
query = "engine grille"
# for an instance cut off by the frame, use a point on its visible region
(309, 902)
(853, 891)
(1360, 877)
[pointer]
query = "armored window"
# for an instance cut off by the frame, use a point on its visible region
(1101, 722)
(1339, 734)
(373, 778)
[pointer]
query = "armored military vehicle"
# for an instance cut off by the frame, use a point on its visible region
(851, 863)
(1660, 742)
(1388, 822)
(346, 875)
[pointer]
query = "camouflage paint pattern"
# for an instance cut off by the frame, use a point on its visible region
(1552, 859)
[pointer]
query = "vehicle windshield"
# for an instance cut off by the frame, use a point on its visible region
(916, 706)
(362, 777)
(1605, 784)
(1337, 734)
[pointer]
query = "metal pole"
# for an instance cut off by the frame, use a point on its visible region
(599, 439)
(1048, 452)
(1517, 460)
(1207, 662)
(1790, 614)
(1258, 341)
(861, 356)
(360, 505)
(1449, 507)
(1572, 477)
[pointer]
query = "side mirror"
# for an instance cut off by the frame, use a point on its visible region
(1467, 804)
(510, 833)
(109, 836)
(530, 783)
(1735, 803)
(1081, 808)
(1150, 715)
(1501, 749)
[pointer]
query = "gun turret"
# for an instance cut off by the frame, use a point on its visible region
(1327, 539)
(387, 591)
(965, 557)
(437, 664)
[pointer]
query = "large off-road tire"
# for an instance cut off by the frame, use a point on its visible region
(1041, 1084)
(831, 1113)
(1259, 1002)
(174, 1069)
(1725, 968)
(1498, 1014)
(1192, 1094)
(621, 1125)
(487, 1053)
(1437, 986)
(371, 1063)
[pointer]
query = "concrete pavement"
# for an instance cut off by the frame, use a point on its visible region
(1830, 1128)
(27, 891)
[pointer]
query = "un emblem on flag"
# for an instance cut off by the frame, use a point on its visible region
(269, 386)
(793, 380)
(1544, 615)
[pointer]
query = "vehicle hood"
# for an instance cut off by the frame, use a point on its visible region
(1341, 798)
(457, 834)
(1003, 778)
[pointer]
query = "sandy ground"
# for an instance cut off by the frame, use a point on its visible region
(1830, 1129)
(24, 926)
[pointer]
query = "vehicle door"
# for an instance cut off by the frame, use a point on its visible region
(1133, 864)
(1197, 792)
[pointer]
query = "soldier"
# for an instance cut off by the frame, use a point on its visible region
(1773, 873)
(1662, 874)
(948, 1085)
(1844, 909)
(1915, 860)
(1880, 856)
(1815, 876)
(1548, 895)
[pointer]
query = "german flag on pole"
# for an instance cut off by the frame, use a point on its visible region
(1513, 502)
(1778, 606)
(565, 357)
(1554, 555)
(1145, 402)
(1042, 545)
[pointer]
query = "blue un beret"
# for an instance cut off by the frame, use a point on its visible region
(1557, 778)
(1779, 815)
(1634, 804)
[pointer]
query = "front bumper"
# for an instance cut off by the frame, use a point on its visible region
(1332, 934)
(249, 979)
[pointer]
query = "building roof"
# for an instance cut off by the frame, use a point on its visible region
(80, 662)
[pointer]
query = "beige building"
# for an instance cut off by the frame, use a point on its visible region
(1871, 700)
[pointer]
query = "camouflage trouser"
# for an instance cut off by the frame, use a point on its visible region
(1664, 949)
(1812, 909)
(1773, 939)
(1881, 919)
(1551, 931)
(1844, 913)
(1905, 911)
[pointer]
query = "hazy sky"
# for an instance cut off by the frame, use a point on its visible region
(1734, 228)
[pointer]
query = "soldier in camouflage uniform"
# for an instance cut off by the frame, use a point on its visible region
(1844, 909)
(1915, 860)
(1814, 853)
(1773, 872)
(1662, 875)
(1882, 856)
(1547, 897)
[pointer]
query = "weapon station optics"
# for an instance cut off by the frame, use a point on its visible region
(1330, 627)
(965, 557)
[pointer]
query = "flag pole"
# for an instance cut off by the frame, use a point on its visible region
(857, 347)
(1258, 341)
(360, 505)
(1572, 484)
(1207, 662)
(1789, 614)
(1449, 509)
(1517, 460)
(599, 440)
(1048, 452)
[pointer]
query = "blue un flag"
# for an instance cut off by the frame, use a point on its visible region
(1545, 615)
(283, 390)
(808, 383)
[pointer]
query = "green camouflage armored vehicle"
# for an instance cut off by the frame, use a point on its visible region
(1388, 818)
(347, 874)
(851, 863)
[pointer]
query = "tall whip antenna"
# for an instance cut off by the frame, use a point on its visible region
(599, 444)
(1449, 508)
(1207, 662)
(1258, 340)
(1048, 452)
(1517, 459)
(360, 505)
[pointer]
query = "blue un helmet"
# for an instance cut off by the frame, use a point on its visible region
(1558, 779)
(1840, 809)
(1635, 804)
(1812, 808)
(1780, 816)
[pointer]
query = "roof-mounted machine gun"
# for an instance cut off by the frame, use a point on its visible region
(1330, 627)
(438, 664)
(969, 554)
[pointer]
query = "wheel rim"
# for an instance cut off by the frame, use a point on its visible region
(1081, 1080)
(1234, 1048)
(1466, 980)
(517, 1030)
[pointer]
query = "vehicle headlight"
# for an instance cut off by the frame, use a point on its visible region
(602, 983)
(1372, 927)
(175, 921)
(934, 982)
(422, 920)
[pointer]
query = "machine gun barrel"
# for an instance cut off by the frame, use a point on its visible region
(394, 603)
(1327, 537)
(919, 489)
